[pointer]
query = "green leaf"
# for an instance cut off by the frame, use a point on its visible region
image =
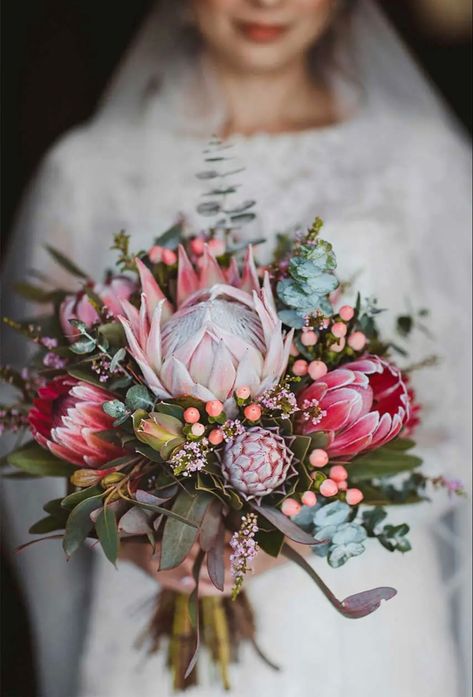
(178, 538)
(79, 524)
(45, 525)
(66, 263)
(115, 408)
(34, 459)
(72, 500)
(193, 608)
(34, 293)
(171, 238)
(300, 445)
(170, 409)
(270, 542)
(80, 374)
(83, 346)
(400, 444)
(117, 357)
(384, 462)
(107, 531)
(138, 397)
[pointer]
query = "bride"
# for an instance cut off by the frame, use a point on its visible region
(331, 117)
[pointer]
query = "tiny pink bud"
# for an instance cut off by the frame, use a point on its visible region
(338, 473)
(155, 254)
(317, 369)
(300, 367)
(243, 392)
(346, 313)
(343, 485)
(290, 507)
(294, 351)
(168, 257)
(216, 436)
(252, 412)
(354, 497)
(328, 488)
(191, 415)
(217, 247)
(197, 246)
(339, 346)
(214, 407)
(309, 338)
(318, 458)
(309, 498)
(357, 341)
(339, 329)
(198, 429)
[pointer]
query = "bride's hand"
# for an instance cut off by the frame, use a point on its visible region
(180, 579)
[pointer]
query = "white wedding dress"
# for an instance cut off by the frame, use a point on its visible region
(393, 187)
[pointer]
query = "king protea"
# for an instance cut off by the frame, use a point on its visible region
(222, 334)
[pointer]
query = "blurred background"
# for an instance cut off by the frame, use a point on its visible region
(57, 57)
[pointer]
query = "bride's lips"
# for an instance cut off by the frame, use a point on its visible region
(261, 33)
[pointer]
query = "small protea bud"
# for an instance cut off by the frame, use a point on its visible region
(256, 462)
(84, 478)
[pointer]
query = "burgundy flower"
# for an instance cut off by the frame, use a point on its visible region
(65, 418)
(361, 406)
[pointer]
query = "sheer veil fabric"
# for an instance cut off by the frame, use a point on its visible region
(391, 179)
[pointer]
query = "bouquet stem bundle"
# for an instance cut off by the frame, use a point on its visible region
(224, 625)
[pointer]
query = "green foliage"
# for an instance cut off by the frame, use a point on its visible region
(392, 537)
(178, 538)
(34, 459)
(387, 461)
(79, 524)
(138, 397)
(172, 237)
(65, 262)
(107, 532)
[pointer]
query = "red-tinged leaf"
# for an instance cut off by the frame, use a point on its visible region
(366, 602)
(211, 525)
(353, 607)
(145, 497)
(40, 539)
(194, 611)
(285, 525)
(136, 521)
(216, 560)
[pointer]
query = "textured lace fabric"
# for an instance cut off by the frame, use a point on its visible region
(394, 195)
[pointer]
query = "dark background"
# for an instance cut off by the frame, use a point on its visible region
(57, 57)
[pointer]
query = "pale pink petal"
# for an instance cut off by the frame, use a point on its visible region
(187, 279)
(210, 272)
(250, 280)
(223, 374)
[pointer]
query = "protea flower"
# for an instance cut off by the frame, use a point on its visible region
(256, 462)
(361, 406)
(65, 418)
(224, 334)
(78, 305)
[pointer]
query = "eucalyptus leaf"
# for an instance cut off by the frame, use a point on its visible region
(209, 208)
(83, 346)
(117, 358)
(138, 397)
(45, 525)
(107, 532)
(114, 408)
(72, 500)
(178, 538)
(79, 524)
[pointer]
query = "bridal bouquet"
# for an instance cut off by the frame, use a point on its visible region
(212, 408)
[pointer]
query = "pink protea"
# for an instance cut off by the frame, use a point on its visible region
(360, 406)
(224, 334)
(78, 305)
(256, 462)
(65, 418)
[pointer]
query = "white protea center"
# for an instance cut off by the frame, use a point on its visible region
(220, 338)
